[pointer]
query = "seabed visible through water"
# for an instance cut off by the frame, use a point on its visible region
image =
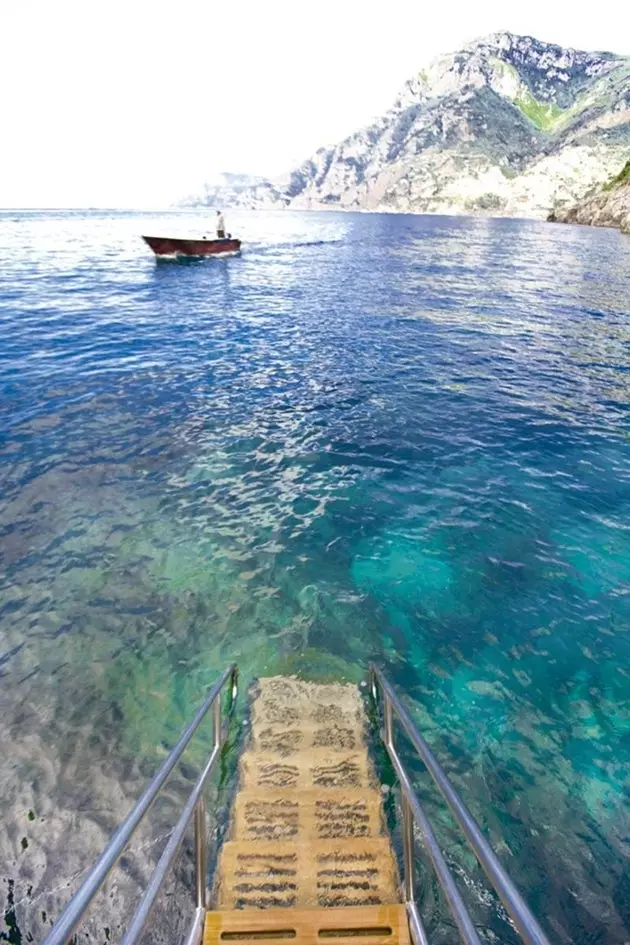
(402, 439)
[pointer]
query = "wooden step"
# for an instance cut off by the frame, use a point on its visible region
(289, 814)
(285, 701)
(325, 873)
(288, 742)
(369, 925)
(319, 768)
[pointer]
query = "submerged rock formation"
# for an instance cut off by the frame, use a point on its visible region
(607, 206)
(506, 126)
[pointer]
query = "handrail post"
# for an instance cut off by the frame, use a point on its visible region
(216, 723)
(373, 684)
(408, 849)
(388, 722)
(233, 687)
(200, 852)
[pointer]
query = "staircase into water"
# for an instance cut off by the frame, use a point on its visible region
(307, 854)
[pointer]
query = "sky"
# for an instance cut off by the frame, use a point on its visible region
(137, 103)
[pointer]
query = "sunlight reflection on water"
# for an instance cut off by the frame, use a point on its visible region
(380, 437)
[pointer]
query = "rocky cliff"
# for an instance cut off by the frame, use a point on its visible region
(607, 206)
(506, 126)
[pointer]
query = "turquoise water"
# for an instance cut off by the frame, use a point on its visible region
(369, 437)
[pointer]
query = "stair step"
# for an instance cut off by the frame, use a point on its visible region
(320, 768)
(323, 873)
(287, 814)
(287, 742)
(284, 699)
(365, 925)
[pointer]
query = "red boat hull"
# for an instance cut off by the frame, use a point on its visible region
(165, 246)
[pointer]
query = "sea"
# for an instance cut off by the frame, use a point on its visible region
(369, 437)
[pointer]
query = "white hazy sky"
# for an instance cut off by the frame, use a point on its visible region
(136, 103)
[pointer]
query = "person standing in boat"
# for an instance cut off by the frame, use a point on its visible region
(220, 225)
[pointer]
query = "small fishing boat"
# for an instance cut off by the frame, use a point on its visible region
(173, 247)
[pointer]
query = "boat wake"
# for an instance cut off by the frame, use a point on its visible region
(182, 257)
(273, 248)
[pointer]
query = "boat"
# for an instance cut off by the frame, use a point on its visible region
(174, 247)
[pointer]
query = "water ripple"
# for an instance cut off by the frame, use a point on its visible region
(369, 436)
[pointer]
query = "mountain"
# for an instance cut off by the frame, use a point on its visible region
(235, 190)
(506, 126)
(606, 206)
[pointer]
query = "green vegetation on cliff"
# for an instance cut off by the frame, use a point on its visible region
(545, 115)
(622, 177)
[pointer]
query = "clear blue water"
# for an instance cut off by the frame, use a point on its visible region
(397, 438)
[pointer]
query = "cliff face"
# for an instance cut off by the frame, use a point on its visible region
(506, 126)
(608, 206)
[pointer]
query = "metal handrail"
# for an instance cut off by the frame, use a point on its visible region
(76, 908)
(524, 920)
